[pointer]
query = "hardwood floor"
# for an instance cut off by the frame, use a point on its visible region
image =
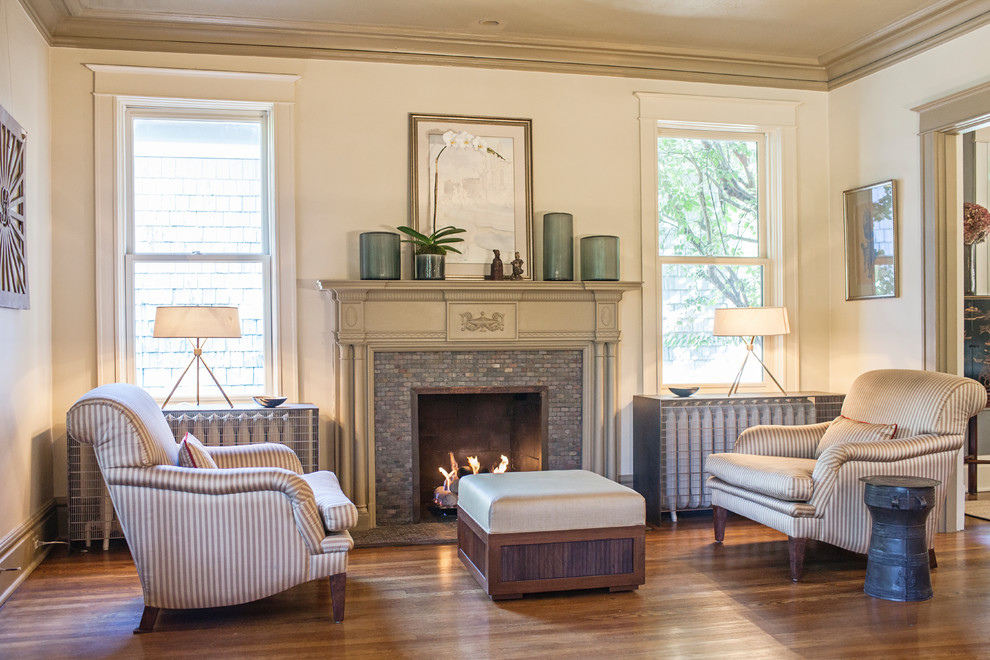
(700, 600)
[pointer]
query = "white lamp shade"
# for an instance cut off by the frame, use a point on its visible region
(751, 322)
(197, 321)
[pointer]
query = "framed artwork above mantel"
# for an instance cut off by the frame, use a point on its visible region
(474, 173)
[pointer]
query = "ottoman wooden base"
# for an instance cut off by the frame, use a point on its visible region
(510, 565)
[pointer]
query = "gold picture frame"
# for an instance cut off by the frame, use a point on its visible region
(870, 215)
(489, 196)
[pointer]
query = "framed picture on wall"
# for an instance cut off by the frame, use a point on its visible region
(870, 214)
(13, 216)
(474, 173)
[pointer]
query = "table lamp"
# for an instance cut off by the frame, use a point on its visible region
(751, 322)
(199, 323)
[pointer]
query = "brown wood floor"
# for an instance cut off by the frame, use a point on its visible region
(700, 600)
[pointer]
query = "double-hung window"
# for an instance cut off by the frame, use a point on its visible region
(198, 232)
(719, 211)
(195, 206)
(712, 249)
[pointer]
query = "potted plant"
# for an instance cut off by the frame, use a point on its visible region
(431, 249)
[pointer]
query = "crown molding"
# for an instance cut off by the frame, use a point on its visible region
(66, 23)
(937, 24)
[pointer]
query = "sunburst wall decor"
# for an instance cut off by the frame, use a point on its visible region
(13, 249)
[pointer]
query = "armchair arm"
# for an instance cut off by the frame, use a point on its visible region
(228, 482)
(886, 451)
(264, 454)
(779, 440)
(859, 456)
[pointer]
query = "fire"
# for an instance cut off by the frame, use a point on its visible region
(446, 495)
(448, 477)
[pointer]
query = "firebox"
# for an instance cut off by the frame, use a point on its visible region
(493, 428)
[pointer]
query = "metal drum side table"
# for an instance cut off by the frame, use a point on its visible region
(897, 564)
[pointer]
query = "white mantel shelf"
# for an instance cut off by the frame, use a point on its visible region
(480, 286)
(370, 316)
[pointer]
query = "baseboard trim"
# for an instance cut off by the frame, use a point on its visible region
(22, 549)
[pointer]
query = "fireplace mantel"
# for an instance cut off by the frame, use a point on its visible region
(371, 316)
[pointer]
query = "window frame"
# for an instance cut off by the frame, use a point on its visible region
(167, 109)
(771, 347)
(188, 92)
(776, 120)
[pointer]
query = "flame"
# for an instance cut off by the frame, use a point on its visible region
(475, 464)
(503, 466)
(448, 477)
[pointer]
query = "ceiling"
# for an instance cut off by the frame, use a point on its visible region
(812, 44)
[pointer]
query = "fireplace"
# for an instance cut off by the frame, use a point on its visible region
(401, 378)
(452, 425)
(395, 340)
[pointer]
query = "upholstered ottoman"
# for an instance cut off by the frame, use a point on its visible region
(526, 532)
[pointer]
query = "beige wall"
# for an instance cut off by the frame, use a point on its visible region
(25, 335)
(351, 176)
(874, 137)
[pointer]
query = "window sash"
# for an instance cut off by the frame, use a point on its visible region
(761, 172)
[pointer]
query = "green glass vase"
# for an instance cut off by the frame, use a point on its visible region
(380, 256)
(558, 246)
(600, 258)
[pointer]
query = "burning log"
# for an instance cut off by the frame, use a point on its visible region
(446, 495)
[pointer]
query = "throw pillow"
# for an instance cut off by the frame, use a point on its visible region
(844, 430)
(193, 454)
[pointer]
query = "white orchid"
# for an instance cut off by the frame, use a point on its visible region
(457, 140)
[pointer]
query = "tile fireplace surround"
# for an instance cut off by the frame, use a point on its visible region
(395, 335)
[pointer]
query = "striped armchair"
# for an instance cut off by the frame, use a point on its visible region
(804, 480)
(204, 537)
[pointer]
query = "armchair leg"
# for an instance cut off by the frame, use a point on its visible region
(148, 619)
(795, 548)
(932, 563)
(720, 515)
(337, 584)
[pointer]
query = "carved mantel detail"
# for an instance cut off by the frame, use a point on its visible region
(411, 315)
(482, 323)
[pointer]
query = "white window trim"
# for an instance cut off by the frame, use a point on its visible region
(777, 120)
(116, 88)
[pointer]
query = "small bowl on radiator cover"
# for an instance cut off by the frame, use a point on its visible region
(683, 391)
(269, 401)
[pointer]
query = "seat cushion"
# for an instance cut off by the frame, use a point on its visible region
(551, 500)
(844, 430)
(783, 478)
(338, 512)
(192, 453)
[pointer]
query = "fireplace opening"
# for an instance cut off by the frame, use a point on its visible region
(493, 425)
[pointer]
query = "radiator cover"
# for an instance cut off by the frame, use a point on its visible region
(91, 514)
(672, 436)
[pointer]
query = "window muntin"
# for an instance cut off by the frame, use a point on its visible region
(711, 250)
(198, 231)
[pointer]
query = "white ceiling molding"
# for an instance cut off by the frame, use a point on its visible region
(71, 23)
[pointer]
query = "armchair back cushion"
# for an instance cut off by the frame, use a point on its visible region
(919, 402)
(125, 426)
